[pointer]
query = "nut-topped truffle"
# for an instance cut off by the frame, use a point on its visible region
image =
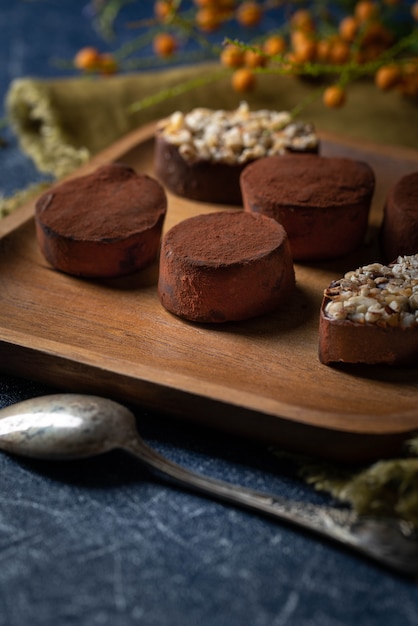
(370, 315)
(200, 154)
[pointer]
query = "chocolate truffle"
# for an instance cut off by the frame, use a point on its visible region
(371, 316)
(105, 224)
(200, 155)
(399, 232)
(225, 266)
(323, 203)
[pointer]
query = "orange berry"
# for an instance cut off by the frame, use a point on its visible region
(249, 14)
(302, 20)
(334, 97)
(203, 4)
(387, 77)
(414, 11)
(274, 45)
(323, 50)
(348, 28)
(107, 64)
(410, 67)
(365, 10)
(221, 5)
(164, 44)
(408, 84)
(163, 9)
(208, 19)
(243, 80)
(87, 59)
(339, 53)
(232, 56)
(226, 6)
(297, 38)
(305, 51)
(252, 58)
(376, 33)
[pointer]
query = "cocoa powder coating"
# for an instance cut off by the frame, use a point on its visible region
(308, 180)
(225, 266)
(105, 224)
(224, 239)
(111, 203)
(399, 231)
(322, 202)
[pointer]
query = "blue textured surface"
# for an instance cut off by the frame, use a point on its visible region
(33, 34)
(104, 542)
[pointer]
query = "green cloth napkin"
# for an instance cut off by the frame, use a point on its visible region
(62, 123)
(388, 488)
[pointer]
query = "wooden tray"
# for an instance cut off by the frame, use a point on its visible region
(259, 379)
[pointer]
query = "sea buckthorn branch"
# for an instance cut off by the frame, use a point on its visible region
(177, 23)
(104, 13)
(344, 72)
(337, 43)
(176, 90)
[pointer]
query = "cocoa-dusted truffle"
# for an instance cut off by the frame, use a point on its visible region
(105, 224)
(399, 232)
(201, 154)
(322, 202)
(371, 316)
(225, 266)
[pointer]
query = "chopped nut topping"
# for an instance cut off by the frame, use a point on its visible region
(237, 136)
(386, 295)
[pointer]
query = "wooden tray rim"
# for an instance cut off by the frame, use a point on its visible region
(406, 423)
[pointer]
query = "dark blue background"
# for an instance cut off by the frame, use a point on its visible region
(102, 541)
(33, 34)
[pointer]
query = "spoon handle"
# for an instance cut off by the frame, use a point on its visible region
(386, 540)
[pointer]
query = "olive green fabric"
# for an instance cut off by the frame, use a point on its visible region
(387, 487)
(61, 123)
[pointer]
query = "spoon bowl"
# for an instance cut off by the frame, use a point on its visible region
(73, 426)
(65, 427)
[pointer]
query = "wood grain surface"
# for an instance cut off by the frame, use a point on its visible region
(260, 379)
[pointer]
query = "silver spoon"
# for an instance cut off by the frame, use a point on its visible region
(71, 426)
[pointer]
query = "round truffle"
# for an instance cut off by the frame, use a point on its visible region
(399, 232)
(323, 203)
(105, 224)
(225, 266)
